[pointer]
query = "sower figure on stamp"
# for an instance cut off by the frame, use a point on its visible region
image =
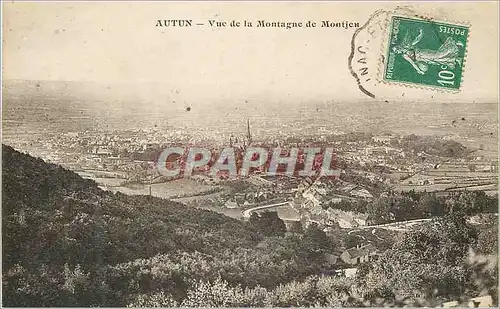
(447, 53)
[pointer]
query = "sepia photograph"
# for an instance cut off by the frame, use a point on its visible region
(250, 154)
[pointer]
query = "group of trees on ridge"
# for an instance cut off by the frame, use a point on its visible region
(395, 207)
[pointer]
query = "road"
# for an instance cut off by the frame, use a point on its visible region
(402, 225)
(399, 226)
(248, 212)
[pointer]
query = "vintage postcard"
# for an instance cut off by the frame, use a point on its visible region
(250, 154)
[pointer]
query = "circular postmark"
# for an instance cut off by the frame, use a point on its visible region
(365, 57)
(404, 47)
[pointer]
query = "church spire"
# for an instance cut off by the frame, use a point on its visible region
(249, 135)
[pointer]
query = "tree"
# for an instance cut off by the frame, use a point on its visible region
(487, 242)
(427, 264)
(296, 227)
(312, 248)
(268, 223)
(403, 208)
(380, 209)
(219, 293)
(351, 240)
(430, 204)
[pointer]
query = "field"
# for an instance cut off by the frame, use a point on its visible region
(474, 175)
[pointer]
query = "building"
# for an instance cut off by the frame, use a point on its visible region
(314, 197)
(362, 219)
(347, 272)
(345, 221)
(359, 254)
(292, 224)
(103, 152)
(425, 182)
(230, 204)
(363, 193)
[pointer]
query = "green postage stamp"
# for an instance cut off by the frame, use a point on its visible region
(425, 52)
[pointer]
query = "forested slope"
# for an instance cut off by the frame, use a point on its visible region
(68, 243)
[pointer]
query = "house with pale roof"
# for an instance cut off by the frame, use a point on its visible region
(347, 272)
(345, 221)
(359, 254)
(231, 204)
(361, 219)
(361, 193)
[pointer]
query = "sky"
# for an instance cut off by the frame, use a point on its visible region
(118, 43)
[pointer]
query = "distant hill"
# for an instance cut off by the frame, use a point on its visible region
(80, 106)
